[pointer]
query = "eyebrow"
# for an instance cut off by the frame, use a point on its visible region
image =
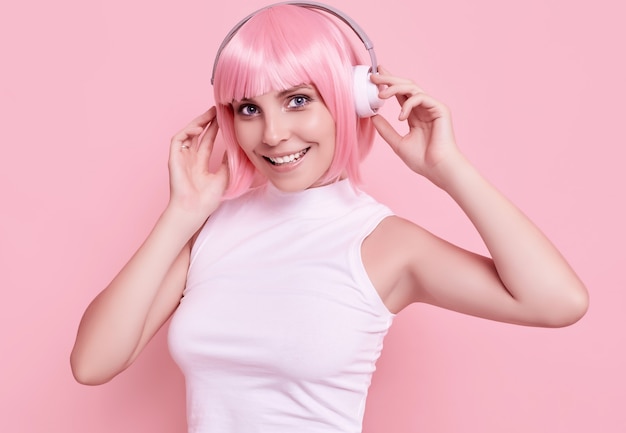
(294, 89)
(285, 92)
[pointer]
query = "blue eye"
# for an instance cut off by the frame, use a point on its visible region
(248, 109)
(298, 101)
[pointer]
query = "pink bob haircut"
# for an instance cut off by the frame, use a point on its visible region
(279, 48)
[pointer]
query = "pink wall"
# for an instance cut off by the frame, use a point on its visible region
(90, 93)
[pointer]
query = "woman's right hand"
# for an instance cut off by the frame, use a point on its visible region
(121, 320)
(193, 188)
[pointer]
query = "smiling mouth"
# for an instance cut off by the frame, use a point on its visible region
(287, 159)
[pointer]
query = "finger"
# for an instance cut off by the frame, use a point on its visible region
(384, 78)
(388, 80)
(384, 70)
(203, 119)
(211, 115)
(400, 91)
(431, 108)
(197, 124)
(205, 147)
(410, 104)
(187, 137)
(386, 131)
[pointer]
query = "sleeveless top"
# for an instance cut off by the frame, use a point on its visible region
(279, 327)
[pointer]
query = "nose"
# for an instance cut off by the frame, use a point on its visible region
(276, 128)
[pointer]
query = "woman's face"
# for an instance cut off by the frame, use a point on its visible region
(288, 135)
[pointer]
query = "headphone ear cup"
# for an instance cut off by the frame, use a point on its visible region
(366, 100)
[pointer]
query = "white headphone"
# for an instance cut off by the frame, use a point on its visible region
(366, 100)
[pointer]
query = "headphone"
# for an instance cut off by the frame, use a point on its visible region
(366, 100)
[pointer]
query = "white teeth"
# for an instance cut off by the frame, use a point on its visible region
(287, 158)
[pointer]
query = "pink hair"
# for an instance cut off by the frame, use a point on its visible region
(279, 48)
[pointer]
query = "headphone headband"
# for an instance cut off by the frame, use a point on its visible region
(311, 5)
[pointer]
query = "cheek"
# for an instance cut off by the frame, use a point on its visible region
(245, 135)
(321, 125)
(330, 133)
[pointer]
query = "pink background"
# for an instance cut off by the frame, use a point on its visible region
(91, 91)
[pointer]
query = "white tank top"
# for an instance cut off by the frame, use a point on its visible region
(279, 328)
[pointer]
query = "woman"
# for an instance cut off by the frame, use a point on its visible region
(282, 293)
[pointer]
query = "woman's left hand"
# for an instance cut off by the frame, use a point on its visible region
(527, 281)
(430, 139)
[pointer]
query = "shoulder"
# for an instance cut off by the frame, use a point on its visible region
(400, 237)
(390, 254)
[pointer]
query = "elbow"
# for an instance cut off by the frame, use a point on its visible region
(85, 373)
(569, 308)
(86, 377)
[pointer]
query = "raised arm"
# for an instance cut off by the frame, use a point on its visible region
(119, 322)
(525, 281)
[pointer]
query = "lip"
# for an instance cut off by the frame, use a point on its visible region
(285, 166)
(286, 158)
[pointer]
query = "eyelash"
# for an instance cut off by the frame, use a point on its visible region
(304, 97)
(246, 107)
(243, 107)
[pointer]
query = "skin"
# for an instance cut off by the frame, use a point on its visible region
(525, 281)
(280, 124)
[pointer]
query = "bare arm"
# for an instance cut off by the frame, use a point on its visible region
(128, 312)
(525, 281)
(540, 288)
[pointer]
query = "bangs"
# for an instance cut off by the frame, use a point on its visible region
(275, 52)
(282, 47)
